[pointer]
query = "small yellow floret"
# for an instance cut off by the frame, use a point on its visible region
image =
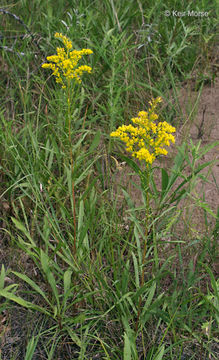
(66, 41)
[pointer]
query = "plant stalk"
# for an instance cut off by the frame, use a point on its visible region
(145, 242)
(72, 165)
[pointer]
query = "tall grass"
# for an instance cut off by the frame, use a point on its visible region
(88, 305)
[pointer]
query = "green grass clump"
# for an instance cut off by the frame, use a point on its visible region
(92, 269)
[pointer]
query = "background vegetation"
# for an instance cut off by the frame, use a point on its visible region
(55, 305)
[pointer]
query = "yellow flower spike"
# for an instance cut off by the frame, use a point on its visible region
(67, 42)
(64, 64)
(147, 139)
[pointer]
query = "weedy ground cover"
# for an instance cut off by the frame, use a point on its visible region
(107, 251)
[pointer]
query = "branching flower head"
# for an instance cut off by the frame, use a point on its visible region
(64, 64)
(146, 140)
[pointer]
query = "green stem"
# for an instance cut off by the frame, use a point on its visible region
(72, 164)
(145, 242)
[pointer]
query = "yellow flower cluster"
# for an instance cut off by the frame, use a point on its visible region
(146, 140)
(64, 64)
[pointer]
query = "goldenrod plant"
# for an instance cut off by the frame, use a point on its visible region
(66, 70)
(146, 141)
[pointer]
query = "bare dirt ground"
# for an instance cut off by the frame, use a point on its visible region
(205, 127)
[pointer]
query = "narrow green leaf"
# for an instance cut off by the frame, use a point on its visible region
(67, 280)
(160, 355)
(23, 302)
(78, 144)
(155, 192)
(31, 346)
(178, 162)
(95, 141)
(51, 157)
(127, 348)
(74, 337)
(125, 277)
(150, 297)
(207, 148)
(128, 199)
(32, 284)
(165, 179)
(22, 228)
(2, 277)
(205, 206)
(131, 163)
(51, 280)
(138, 243)
(213, 281)
(136, 268)
(81, 215)
(67, 287)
